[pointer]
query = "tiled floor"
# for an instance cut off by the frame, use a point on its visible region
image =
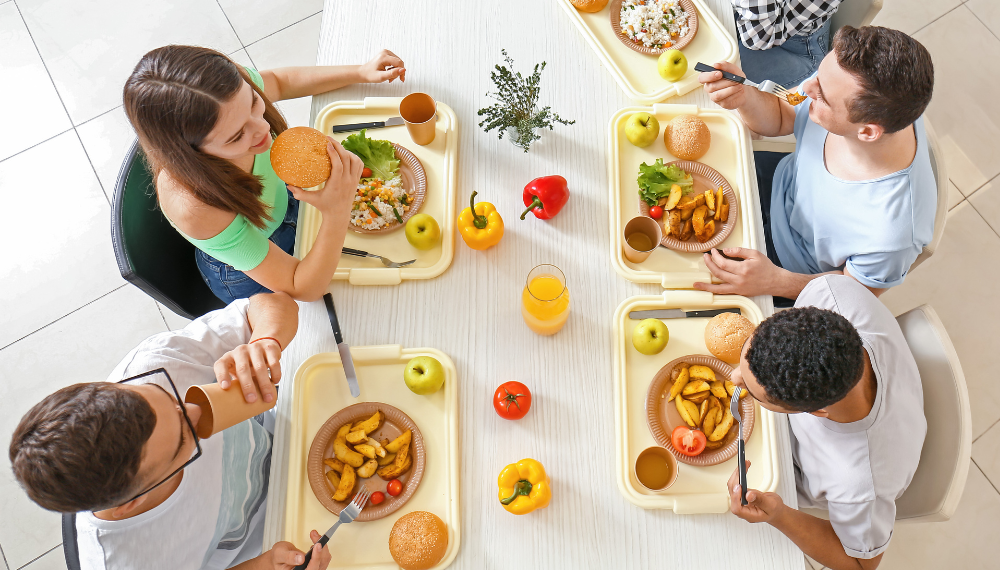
(67, 61)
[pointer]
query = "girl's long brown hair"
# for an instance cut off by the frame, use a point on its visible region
(173, 99)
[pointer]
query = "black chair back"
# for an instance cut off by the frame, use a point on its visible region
(70, 550)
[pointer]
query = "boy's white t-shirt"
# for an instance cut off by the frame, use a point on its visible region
(215, 517)
(856, 471)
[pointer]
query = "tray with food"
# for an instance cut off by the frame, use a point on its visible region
(400, 445)
(688, 169)
(405, 203)
(674, 354)
(650, 46)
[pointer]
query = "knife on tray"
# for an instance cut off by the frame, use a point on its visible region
(678, 314)
(342, 347)
(390, 122)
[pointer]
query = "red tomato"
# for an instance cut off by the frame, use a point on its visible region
(512, 400)
(366, 173)
(688, 441)
(656, 212)
(377, 497)
(395, 487)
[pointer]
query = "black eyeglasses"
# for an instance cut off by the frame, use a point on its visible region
(187, 420)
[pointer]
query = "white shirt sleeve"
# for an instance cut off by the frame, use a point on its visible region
(864, 529)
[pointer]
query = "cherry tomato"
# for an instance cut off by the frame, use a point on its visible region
(366, 173)
(394, 488)
(512, 400)
(656, 212)
(377, 497)
(688, 441)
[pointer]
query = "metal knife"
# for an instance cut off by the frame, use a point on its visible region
(678, 314)
(390, 122)
(342, 347)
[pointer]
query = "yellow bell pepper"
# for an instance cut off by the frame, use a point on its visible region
(524, 487)
(480, 224)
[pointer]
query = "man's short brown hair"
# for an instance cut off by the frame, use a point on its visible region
(895, 72)
(79, 449)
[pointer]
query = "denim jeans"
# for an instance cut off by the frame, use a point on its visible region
(789, 64)
(230, 284)
(766, 163)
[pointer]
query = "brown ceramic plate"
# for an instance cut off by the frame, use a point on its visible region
(681, 43)
(705, 178)
(396, 422)
(662, 416)
(414, 179)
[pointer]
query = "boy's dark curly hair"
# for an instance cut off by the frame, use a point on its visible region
(806, 358)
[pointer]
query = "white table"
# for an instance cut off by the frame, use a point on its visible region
(472, 312)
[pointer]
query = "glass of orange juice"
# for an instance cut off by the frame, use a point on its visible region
(545, 300)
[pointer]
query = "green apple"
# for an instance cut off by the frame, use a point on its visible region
(650, 336)
(672, 65)
(642, 129)
(422, 231)
(424, 375)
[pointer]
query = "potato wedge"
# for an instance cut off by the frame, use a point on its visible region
(707, 233)
(730, 388)
(720, 198)
(703, 372)
(389, 458)
(714, 444)
(695, 386)
(703, 411)
(698, 219)
(356, 437)
(335, 464)
(674, 223)
(334, 478)
(368, 469)
(692, 410)
(699, 397)
(679, 383)
(724, 212)
(718, 389)
(390, 472)
(343, 431)
(685, 414)
(686, 214)
(379, 450)
(691, 203)
(674, 198)
(347, 480)
(661, 202)
(710, 199)
(371, 424)
(346, 454)
(709, 422)
(723, 427)
(687, 231)
(402, 441)
(366, 450)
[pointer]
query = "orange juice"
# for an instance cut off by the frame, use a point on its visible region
(545, 300)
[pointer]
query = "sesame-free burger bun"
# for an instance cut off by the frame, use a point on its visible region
(687, 137)
(725, 335)
(418, 540)
(589, 5)
(299, 157)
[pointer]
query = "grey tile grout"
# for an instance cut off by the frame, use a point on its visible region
(975, 439)
(280, 30)
(99, 115)
(36, 144)
(918, 30)
(973, 461)
(2, 555)
(35, 559)
(985, 25)
(162, 317)
(63, 317)
(226, 16)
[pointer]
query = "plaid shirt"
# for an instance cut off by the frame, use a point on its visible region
(767, 23)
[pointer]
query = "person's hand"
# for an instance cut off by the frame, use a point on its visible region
(725, 93)
(338, 192)
(754, 275)
(760, 507)
(258, 363)
(284, 555)
(386, 66)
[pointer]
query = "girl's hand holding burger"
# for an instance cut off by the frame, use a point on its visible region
(338, 192)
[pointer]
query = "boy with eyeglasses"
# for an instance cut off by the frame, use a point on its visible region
(124, 456)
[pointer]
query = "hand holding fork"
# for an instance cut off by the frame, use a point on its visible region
(725, 85)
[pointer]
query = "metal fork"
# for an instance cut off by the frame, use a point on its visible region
(734, 408)
(350, 512)
(385, 261)
(767, 86)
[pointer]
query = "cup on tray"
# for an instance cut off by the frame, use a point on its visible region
(419, 112)
(642, 235)
(655, 468)
(221, 409)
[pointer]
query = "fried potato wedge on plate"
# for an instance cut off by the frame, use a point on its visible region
(347, 480)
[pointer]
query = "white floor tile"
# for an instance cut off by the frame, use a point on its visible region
(911, 15)
(90, 48)
(964, 110)
(986, 454)
(51, 560)
(989, 12)
(107, 139)
(254, 19)
(58, 255)
(292, 46)
(34, 112)
(986, 200)
(959, 281)
(954, 195)
(967, 541)
(82, 347)
(173, 320)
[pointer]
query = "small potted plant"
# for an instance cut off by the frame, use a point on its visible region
(516, 111)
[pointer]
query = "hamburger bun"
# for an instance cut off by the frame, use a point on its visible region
(418, 540)
(299, 157)
(589, 5)
(725, 335)
(687, 137)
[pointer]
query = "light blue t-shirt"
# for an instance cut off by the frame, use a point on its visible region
(874, 229)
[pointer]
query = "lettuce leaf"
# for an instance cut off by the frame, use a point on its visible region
(656, 179)
(379, 156)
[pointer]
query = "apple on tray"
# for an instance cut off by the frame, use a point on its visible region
(672, 65)
(422, 231)
(642, 129)
(650, 336)
(424, 375)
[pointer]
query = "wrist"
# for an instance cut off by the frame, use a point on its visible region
(359, 74)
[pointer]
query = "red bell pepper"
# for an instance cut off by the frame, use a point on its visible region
(545, 196)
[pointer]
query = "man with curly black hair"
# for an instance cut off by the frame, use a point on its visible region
(839, 366)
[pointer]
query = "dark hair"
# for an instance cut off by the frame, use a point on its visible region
(172, 100)
(79, 449)
(806, 358)
(896, 75)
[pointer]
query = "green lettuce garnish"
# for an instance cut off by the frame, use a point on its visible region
(655, 180)
(379, 156)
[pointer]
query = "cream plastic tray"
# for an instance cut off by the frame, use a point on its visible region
(320, 391)
(727, 154)
(636, 73)
(439, 159)
(698, 489)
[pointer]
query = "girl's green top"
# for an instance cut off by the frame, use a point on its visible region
(242, 244)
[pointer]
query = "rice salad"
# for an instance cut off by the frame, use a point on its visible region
(654, 24)
(389, 199)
